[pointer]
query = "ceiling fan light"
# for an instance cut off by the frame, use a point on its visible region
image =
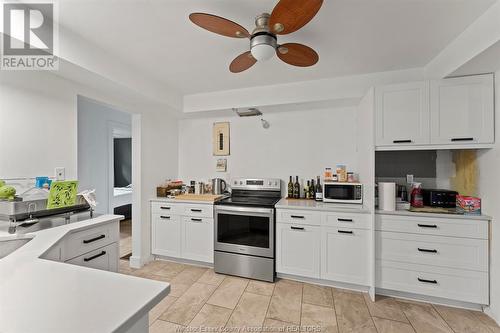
(263, 52)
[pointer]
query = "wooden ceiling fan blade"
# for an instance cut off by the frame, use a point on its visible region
(297, 54)
(242, 62)
(291, 15)
(219, 25)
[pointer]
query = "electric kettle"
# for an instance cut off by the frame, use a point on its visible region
(218, 186)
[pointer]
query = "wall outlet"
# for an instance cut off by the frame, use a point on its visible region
(409, 179)
(60, 173)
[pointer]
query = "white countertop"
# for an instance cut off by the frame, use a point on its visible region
(439, 215)
(321, 206)
(38, 295)
(173, 200)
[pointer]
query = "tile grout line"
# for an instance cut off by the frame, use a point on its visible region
(440, 316)
(369, 313)
(239, 299)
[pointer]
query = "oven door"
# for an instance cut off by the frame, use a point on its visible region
(244, 230)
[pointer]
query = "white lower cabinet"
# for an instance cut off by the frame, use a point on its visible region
(344, 255)
(182, 230)
(298, 249)
(197, 242)
(166, 230)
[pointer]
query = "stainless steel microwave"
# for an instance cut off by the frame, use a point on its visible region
(343, 192)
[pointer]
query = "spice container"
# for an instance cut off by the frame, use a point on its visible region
(328, 175)
(341, 173)
(350, 177)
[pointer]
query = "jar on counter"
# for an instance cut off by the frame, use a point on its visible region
(341, 173)
(350, 177)
(328, 175)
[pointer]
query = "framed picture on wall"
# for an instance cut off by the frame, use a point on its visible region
(220, 139)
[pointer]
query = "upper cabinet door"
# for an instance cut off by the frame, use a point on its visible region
(402, 114)
(462, 110)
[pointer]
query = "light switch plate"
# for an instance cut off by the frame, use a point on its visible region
(60, 173)
(409, 179)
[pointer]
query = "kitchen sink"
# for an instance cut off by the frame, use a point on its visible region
(8, 246)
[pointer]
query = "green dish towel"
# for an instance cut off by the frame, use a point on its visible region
(62, 194)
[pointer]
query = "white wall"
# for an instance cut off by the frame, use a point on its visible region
(37, 125)
(489, 185)
(95, 121)
(299, 143)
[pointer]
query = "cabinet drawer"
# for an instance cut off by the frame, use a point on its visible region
(164, 208)
(467, 286)
(197, 239)
(433, 226)
(104, 258)
(88, 240)
(298, 216)
(459, 253)
(345, 220)
(199, 210)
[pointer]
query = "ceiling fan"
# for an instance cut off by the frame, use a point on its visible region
(287, 16)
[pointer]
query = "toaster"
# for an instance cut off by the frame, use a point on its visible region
(440, 198)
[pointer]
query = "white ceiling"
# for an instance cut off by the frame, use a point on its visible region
(351, 37)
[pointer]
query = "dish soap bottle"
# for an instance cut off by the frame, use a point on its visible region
(417, 199)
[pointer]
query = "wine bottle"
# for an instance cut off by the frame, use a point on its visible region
(290, 188)
(312, 190)
(306, 190)
(296, 188)
(319, 191)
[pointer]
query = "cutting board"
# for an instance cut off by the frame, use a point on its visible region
(199, 197)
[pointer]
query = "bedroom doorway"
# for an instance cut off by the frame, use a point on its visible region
(105, 162)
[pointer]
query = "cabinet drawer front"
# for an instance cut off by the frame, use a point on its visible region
(166, 235)
(344, 220)
(344, 255)
(88, 240)
(459, 253)
(164, 208)
(433, 226)
(298, 249)
(298, 216)
(104, 258)
(199, 210)
(467, 286)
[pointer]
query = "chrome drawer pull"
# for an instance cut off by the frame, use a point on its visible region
(196, 210)
(94, 257)
(164, 207)
(434, 226)
(297, 228)
(165, 217)
(344, 220)
(402, 141)
(427, 281)
(196, 220)
(427, 250)
(297, 217)
(87, 241)
(345, 232)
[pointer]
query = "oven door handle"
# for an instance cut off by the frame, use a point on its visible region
(243, 210)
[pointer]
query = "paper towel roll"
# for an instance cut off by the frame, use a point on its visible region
(387, 196)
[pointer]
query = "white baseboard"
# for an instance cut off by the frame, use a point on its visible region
(339, 285)
(184, 261)
(137, 262)
(492, 314)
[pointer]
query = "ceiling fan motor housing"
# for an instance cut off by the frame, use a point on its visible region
(263, 43)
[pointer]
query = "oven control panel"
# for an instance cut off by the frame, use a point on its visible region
(271, 184)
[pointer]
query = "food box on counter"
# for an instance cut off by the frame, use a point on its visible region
(468, 205)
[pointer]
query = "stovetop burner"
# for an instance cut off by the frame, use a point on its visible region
(253, 193)
(249, 201)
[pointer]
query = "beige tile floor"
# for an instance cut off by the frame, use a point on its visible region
(206, 302)
(125, 237)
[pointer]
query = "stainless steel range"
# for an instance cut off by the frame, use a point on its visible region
(245, 229)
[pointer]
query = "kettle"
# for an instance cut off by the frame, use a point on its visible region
(219, 185)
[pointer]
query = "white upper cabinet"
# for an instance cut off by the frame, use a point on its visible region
(462, 110)
(441, 114)
(402, 114)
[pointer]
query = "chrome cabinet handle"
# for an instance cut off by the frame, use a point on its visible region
(427, 281)
(87, 241)
(94, 257)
